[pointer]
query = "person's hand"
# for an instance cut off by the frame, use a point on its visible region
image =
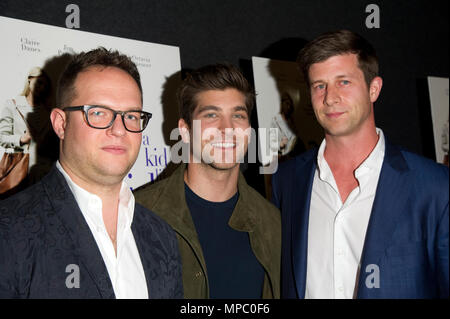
(283, 142)
(25, 138)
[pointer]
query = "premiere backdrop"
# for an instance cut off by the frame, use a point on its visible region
(411, 38)
(27, 46)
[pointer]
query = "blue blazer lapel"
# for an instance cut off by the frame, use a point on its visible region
(64, 204)
(388, 207)
(300, 220)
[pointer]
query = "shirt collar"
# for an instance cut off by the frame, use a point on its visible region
(91, 204)
(375, 159)
(372, 162)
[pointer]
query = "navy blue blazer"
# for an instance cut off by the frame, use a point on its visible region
(42, 232)
(407, 235)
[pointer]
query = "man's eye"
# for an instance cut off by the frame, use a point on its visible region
(345, 82)
(210, 115)
(240, 116)
(97, 113)
(319, 86)
(131, 117)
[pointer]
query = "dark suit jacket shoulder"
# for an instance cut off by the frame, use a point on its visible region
(407, 234)
(431, 175)
(45, 242)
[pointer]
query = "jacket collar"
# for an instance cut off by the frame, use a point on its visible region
(244, 216)
(172, 205)
(64, 204)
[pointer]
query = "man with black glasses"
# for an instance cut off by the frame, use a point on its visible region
(78, 233)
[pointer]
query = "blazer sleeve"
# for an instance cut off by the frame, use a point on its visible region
(6, 291)
(8, 267)
(442, 250)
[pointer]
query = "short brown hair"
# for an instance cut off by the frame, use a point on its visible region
(339, 43)
(101, 57)
(219, 76)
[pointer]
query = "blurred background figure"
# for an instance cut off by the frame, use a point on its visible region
(284, 123)
(445, 143)
(25, 124)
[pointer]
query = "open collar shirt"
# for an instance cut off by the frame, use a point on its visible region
(124, 269)
(337, 230)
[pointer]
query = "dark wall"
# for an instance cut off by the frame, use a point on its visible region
(412, 42)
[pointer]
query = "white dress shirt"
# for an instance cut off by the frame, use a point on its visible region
(337, 230)
(125, 270)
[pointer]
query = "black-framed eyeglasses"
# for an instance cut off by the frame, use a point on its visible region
(102, 117)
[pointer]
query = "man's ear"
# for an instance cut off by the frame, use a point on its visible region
(184, 131)
(59, 120)
(375, 88)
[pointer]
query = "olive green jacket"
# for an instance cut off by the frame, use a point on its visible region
(252, 214)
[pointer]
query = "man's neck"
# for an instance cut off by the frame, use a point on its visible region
(345, 154)
(350, 151)
(106, 192)
(109, 195)
(210, 183)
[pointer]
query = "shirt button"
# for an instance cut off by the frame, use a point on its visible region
(198, 274)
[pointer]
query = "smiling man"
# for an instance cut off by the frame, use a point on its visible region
(361, 218)
(229, 235)
(78, 232)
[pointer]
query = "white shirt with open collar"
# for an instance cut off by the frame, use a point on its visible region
(337, 230)
(125, 270)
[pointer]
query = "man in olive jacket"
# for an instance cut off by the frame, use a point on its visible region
(229, 235)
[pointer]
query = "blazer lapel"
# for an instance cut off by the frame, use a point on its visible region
(388, 207)
(300, 220)
(64, 204)
(143, 233)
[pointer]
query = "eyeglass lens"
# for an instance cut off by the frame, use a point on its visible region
(102, 117)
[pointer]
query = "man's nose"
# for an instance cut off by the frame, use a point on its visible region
(117, 128)
(331, 96)
(225, 123)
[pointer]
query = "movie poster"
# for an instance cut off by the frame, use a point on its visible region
(283, 104)
(32, 58)
(439, 95)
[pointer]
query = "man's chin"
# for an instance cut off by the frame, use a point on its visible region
(338, 131)
(223, 166)
(114, 173)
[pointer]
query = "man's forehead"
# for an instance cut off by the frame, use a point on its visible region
(104, 76)
(335, 66)
(100, 71)
(211, 107)
(106, 85)
(219, 96)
